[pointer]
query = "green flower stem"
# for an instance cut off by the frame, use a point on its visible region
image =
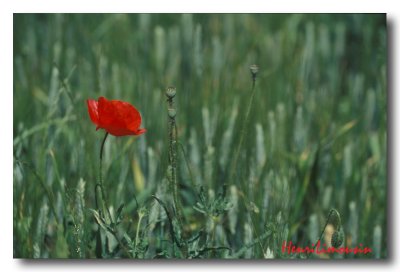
(105, 205)
(103, 196)
(233, 172)
(173, 154)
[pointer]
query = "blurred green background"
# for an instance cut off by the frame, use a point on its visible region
(316, 137)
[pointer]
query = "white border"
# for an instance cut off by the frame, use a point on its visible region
(7, 8)
(207, 6)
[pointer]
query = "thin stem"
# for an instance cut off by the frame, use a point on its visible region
(103, 196)
(102, 146)
(173, 154)
(99, 185)
(322, 232)
(233, 172)
(178, 206)
(256, 232)
(243, 132)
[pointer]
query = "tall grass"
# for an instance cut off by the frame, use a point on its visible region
(314, 139)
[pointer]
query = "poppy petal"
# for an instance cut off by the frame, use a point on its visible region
(93, 110)
(117, 117)
(128, 114)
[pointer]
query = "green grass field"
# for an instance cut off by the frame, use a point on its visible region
(254, 168)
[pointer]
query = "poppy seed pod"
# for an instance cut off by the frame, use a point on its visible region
(171, 91)
(254, 70)
(117, 117)
(335, 219)
(171, 113)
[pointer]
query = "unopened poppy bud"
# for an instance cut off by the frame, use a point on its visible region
(254, 70)
(171, 91)
(171, 113)
(335, 219)
(337, 239)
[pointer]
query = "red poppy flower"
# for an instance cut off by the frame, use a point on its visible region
(117, 117)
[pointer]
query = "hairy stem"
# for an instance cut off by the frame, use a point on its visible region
(173, 154)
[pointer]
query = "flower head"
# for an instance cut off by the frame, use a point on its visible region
(117, 117)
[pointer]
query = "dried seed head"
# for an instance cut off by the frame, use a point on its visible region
(171, 91)
(337, 239)
(254, 70)
(171, 113)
